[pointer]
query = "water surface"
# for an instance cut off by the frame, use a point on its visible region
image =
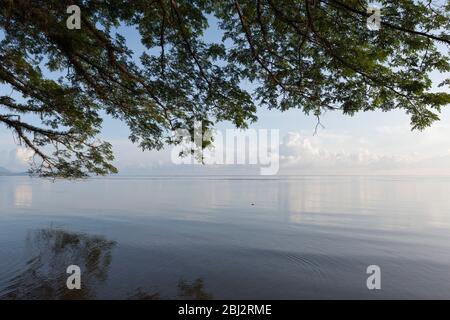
(225, 237)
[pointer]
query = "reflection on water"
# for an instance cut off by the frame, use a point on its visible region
(23, 195)
(194, 290)
(247, 237)
(51, 251)
(140, 294)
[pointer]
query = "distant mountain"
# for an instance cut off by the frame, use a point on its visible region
(4, 171)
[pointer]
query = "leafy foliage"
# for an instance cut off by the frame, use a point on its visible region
(311, 55)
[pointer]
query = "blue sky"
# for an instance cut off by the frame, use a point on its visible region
(372, 142)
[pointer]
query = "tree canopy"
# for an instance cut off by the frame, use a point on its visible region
(311, 55)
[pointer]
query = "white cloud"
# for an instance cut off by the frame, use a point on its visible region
(299, 151)
(21, 155)
(342, 154)
(327, 152)
(15, 159)
(390, 149)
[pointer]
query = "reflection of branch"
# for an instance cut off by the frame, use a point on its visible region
(194, 290)
(140, 294)
(53, 250)
(186, 291)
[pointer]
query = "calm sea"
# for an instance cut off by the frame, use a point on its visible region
(225, 237)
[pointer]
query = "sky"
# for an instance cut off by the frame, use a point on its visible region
(368, 143)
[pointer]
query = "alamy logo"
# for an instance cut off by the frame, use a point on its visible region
(236, 147)
(74, 280)
(374, 20)
(73, 21)
(374, 280)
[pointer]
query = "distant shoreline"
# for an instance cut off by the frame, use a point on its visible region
(13, 174)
